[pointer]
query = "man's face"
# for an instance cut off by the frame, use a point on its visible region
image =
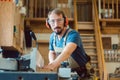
(56, 22)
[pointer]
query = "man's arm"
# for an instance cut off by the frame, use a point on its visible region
(51, 56)
(68, 50)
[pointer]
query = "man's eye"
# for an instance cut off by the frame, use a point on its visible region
(52, 21)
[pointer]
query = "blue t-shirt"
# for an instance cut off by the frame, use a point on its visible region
(79, 54)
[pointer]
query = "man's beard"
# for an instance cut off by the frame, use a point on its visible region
(59, 31)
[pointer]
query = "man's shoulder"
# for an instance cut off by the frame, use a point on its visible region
(52, 35)
(72, 31)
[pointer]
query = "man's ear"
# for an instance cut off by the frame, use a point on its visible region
(47, 24)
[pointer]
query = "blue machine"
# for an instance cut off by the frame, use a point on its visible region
(28, 76)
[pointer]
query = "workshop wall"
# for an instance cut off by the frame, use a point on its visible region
(113, 64)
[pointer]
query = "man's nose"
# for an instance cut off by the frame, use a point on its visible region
(56, 23)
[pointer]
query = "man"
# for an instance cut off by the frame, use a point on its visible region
(65, 44)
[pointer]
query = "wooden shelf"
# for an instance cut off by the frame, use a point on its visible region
(39, 24)
(42, 19)
(110, 20)
(35, 19)
(110, 26)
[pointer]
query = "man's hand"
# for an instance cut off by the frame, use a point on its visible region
(52, 66)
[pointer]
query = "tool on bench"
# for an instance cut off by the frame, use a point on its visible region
(64, 70)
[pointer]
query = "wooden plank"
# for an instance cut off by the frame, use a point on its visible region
(31, 8)
(11, 24)
(35, 5)
(85, 25)
(99, 8)
(39, 7)
(7, 11)
(82, 1)
(110, 20)
(75, 15)
(114, 78)
(44, 7)
(113, 9)
(27, 7)
(117, 9)
(111, 31)
(103, 7)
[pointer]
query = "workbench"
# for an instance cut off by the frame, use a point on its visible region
(28, 76)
